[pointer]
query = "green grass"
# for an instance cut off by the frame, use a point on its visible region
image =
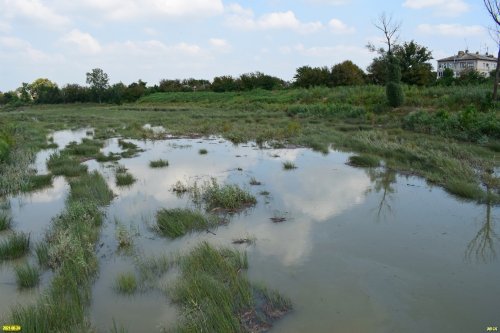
(124, 179)
(87, 148)
(158, 163)
(177, 222)
(202, 151)
(288, 165)
(124, 237)
(62, 164)
(5, 221)
(364, 161)
(27, 276)
(127, 145)
(37, 182)
(215, 295)
(227, 197)
(255, 182)
(111, 157)
(464, 190)
(91, 187)
(15, 246)
(42, 254)
(126, 283)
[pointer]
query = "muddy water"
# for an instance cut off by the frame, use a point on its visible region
(360, 250)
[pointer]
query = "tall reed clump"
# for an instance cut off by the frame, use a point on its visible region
(61, 163)
(15, 246)
(227, 197)
(158, 163)
(215, 295)
(5, 221)
(70, 252)
(177, 222)
(394, 92)
(27, 276)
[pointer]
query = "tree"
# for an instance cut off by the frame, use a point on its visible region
(448, 77)
(73, 93)
(99, 82)
(347, 74)
(225, 83)
(493, 8)
(307, 77)
(44, 91)
(413, 60)
(390, 28)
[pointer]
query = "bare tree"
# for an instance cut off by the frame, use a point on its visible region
(390, 28)
(493, 8)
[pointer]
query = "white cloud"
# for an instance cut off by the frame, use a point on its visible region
(339, 27)
(134, 9)
(84, 41)
(242, 18)
(219, 44)
(34, 10)
(20, 49)
(328, 2)
(453, 30)
(442, 7)
(5, 27)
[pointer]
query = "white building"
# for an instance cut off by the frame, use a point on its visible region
(483, 63)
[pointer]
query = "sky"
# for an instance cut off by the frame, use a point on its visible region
(174, 39)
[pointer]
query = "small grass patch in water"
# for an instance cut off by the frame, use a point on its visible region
(158, 163)
(15, 246)
(124, 179)
(364, 161)
(42, 254)
(126, 283)
(111, 157)
(255, 182)
(215, 295)
(245, 240)
(87, 148)
(177, 222)
(227, 197)
(264, 193)
(5, 221)
(124, 237)
(37, 182)
(91, 188)
(127, 145)
(289, 165)
(179, 188)
(61, 164)
(27, 276)
(203, 151)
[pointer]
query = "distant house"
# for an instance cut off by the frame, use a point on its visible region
(483, 63)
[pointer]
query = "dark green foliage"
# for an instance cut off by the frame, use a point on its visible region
(202, 151)
(225, 83)
(15, 246)
(100, 157)
(5, 221)
(364, 161)
(27, 276)
(177, 222)
(225, 197)
(87, 148)
(467, 125)
(4, 149)
(413, 61)
(288, 165)
(307, 77)
(395, 95)
(347, 74)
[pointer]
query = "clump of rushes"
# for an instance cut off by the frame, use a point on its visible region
(127, 145)
(177, 222)
(130, 149)
(27, 276)
(227, 197)
(465, 190)
(365, 161)
(87, 148)
(158, 163)
(91, 187)
(124, 179)
(215, 295)
(203, 151)
(62, 164)
(124, 237)
(254, 182)
(42, 254)
(289, 165)
(126, 283)
(15, 246)
(5, 221)
(179, 188)
(100, 157)
(36, 182)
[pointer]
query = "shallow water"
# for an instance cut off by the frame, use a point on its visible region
(360, 250)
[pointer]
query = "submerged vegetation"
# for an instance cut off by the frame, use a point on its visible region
(124, 179)
(27, 276)
(126, 283)
(158, 163)
(364, 161)
(15, 246)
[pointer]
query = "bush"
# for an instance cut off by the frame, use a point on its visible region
(395, 95)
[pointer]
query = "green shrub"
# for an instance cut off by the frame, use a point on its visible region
(395, 95)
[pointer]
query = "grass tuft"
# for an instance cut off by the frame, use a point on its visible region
(203, 151)
(42, 254)
(124, 179)
(37, 182)
(228, 197)
(126, 283)
(254, 182)
(111, 157)
(177, 222)
(61, 164)
(158, 163)
(289, 165)
(27, 276)
(465, 190)
(87, 148)
(91, 187)
(5, 221)
(15, 246)
(365, 161)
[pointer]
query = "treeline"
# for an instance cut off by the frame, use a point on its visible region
(411, 58)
